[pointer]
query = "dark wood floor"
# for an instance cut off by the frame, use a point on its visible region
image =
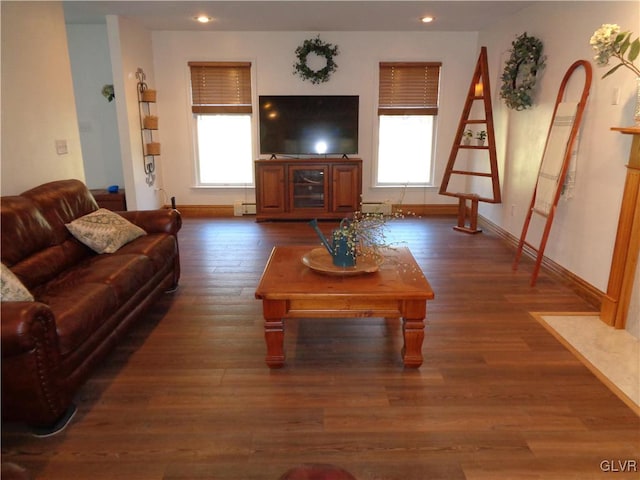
(188, 395)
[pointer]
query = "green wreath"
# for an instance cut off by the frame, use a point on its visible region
(321, 49)
(519, 75)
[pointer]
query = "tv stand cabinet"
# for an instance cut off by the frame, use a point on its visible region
(302, 189)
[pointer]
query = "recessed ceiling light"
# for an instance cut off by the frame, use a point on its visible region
(427, 19)
(202, 19)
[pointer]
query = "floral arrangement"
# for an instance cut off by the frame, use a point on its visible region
(366, 233)
(609, 42)
(322, 49)
(481, 135)
(467, 133)
(519, 75)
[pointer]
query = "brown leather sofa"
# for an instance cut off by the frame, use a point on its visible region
(83, 301)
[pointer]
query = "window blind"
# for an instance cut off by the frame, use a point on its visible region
(220, 87)
(409, 88)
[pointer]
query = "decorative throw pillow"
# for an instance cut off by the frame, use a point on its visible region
(104, 231)
(12, 289)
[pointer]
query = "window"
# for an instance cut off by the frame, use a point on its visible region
(221, 104)
(407, 110)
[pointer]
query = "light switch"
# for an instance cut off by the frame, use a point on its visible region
(615, 96)
(61, 147)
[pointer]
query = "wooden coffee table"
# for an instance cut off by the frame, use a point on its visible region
(290, 289)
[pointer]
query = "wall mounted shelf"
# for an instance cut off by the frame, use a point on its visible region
(148, 125)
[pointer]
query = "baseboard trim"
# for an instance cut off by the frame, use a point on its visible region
(213, 211)
(427, 209)
(205, 211)
(584, 289)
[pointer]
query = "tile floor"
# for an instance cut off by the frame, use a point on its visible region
(613, 355)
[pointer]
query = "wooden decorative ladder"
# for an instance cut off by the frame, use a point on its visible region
(554, 165)
(479, 90)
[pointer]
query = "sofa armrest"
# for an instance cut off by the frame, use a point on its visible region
(28, 326)
(164, 220)
(32, 390)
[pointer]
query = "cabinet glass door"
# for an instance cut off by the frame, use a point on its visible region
(309, 187)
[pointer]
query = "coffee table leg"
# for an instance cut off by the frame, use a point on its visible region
(413, 333)
(274, 332)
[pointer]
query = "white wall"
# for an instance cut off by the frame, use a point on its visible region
(584, 228)
(91, 67)
(130, 47)
(272, 57)
(38, 105)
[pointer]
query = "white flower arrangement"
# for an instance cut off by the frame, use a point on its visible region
(609, 42)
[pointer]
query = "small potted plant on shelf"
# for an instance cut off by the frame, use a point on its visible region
(467, 135)
(480, 137)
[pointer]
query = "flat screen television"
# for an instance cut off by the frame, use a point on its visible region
(308, 124)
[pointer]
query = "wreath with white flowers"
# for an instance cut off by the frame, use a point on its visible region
(322, 49)
(519, 75)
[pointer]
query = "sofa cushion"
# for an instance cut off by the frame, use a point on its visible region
(79, 311)
(86, 296)
(47, 264)
(124, 274)
(12, 289)
(61, 202)
(29, 244)
(25, 230)
(159, 247)
(104, 231)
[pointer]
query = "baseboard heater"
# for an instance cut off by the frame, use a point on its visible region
(242, 208)
(384, 208)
